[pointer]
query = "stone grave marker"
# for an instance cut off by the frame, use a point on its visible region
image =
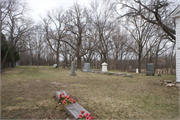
(54, 65)
(74, 109)
(150, 69)
(104, 67)
(68, 66)
(10, 64)
(73, 69)
(57, 93)
(159, 74)
(119, 74)
(128, 75)
(130, 68)
(86, 67)
(111, 73)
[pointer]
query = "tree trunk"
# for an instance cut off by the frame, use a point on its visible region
(5, 58)
(12, 56)
(139, 63)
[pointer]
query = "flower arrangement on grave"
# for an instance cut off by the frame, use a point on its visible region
(85, 116)
(66, 99)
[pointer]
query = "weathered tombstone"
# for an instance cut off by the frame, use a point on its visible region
(86, 67)
(92, 71)
(150, 69)
(119, 74)
(128, 75)
(10, 64)
(73, 69)
(130, 68)
(104, 67)
(137, 70)
(67, 66)
(111, 73)
(74, 109)
(57, 93)
(159, 74)
(16, 64)
(54, 65)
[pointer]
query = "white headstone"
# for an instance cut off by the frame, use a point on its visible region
(136, 70)
(104, 67)
(54, 65)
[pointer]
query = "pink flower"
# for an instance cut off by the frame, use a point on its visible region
(87, 118)
(82, 112)
(62, 93)
(64, 101)
(74, 101)
(80, 116)
(86, 115)
(67, 96)
(70, 100)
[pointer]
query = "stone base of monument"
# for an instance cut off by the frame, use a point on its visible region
(73, 73)
(104, 71)
(74, 109)
(111, 73)
(119, 74)
(86, 70)
(128, 75)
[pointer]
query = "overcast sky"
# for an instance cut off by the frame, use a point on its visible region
(39, 7)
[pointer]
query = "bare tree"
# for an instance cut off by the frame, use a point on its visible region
(17, 27)
(141, 33)
(158, 9)
(55, 25)
(103, 22)
(78, 19)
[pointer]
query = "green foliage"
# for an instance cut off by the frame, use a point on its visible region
(17, 57)
(4, 48)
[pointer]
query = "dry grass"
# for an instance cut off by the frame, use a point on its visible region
(27, 92)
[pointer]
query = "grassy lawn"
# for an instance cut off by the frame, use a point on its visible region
(27, 92)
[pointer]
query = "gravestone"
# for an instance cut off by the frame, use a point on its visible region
(16, 64)
(54, 65)
(111, 73)
(150, 69)
(86, 67)
(119, 74)
(74, 109)
(130, 68)
(159, 74)
(57, 93)
(73, 69)
(137, 70)
(128, 75)
(104, 67)
(67, 66)
(10, 64)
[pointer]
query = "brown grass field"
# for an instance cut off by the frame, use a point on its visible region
(27, 93)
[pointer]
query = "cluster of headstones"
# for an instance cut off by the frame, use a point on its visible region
(74, 109)
(87, 69)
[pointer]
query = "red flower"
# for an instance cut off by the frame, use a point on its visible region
(60, 96)
(62, 93)
(80, 116)
(67, 96)
(82, 112)
(70, 100)
(86, 115)
(64, 101)
(74, 101)
(91, 117)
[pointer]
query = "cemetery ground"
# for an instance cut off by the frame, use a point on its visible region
(27, 92)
